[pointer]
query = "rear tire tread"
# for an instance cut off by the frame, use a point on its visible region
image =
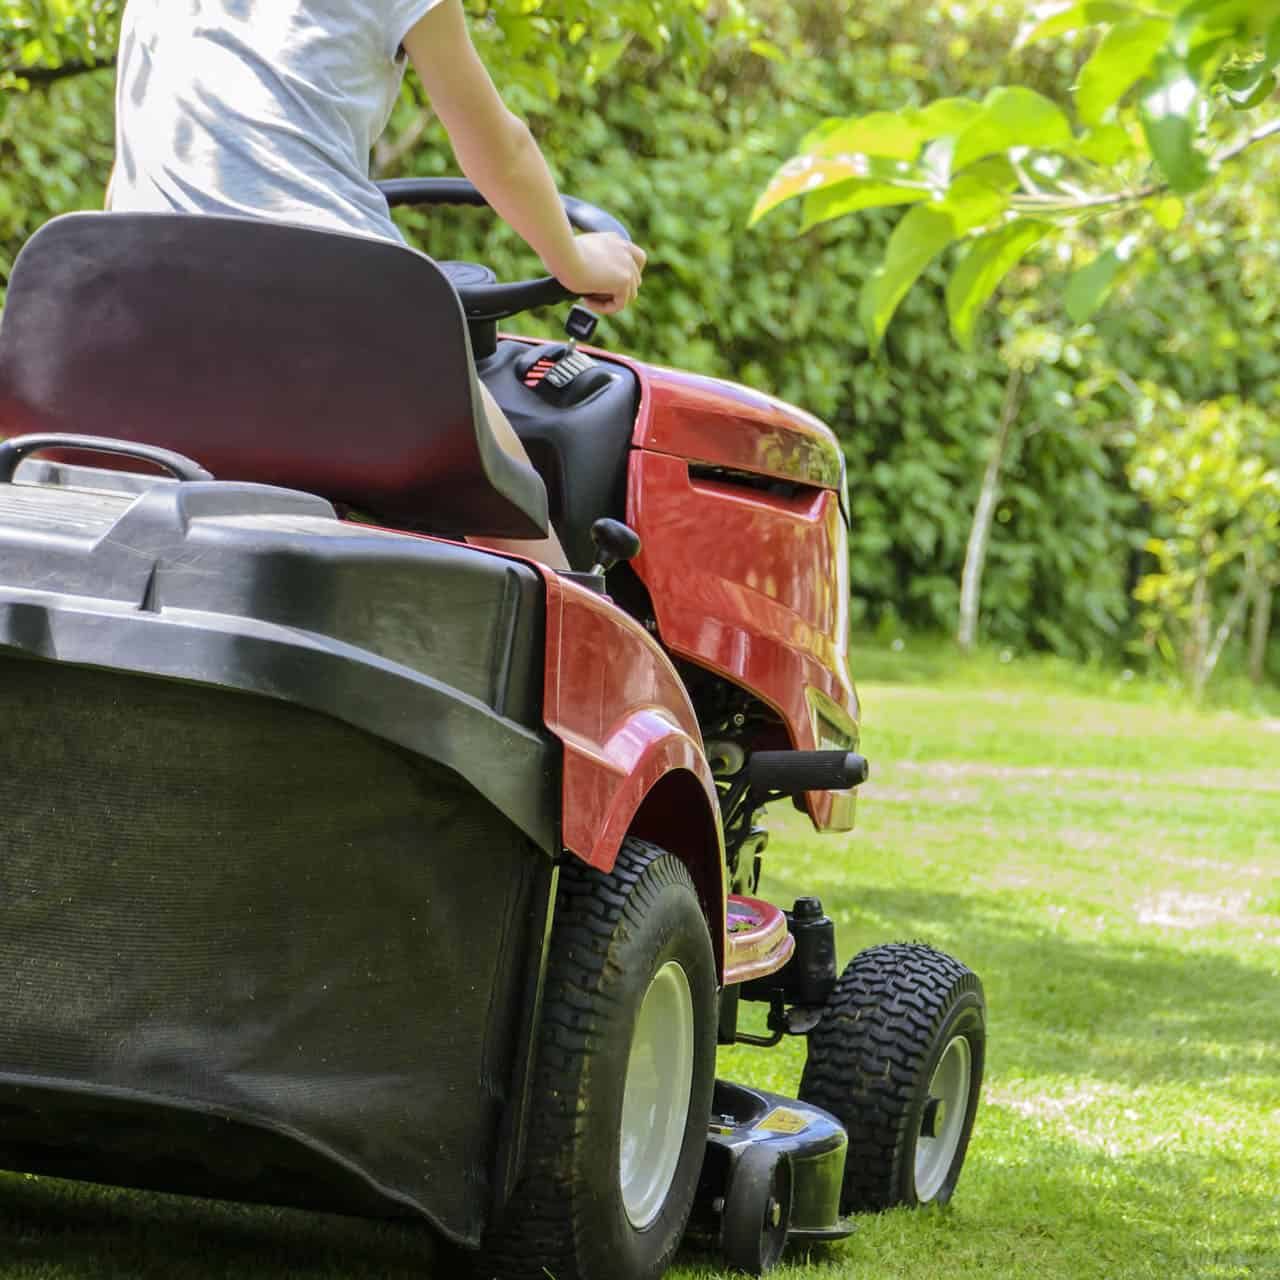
(592, 906)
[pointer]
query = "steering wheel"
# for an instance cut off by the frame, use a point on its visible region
(493, 301)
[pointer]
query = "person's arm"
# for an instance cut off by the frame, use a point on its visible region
(497, 152)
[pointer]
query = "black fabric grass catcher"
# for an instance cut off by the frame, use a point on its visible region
(249, 950)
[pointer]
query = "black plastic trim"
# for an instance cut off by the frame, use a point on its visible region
(12, 453)
(509, 1161)
(509, 765)
(436, 647)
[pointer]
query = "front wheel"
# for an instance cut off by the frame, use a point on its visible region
(897, 1058)
(623, 1080)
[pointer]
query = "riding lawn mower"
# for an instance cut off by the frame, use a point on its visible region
(349, 863)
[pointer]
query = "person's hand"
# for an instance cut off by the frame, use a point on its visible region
(607, 273)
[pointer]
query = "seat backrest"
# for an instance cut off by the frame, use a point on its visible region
(268, 352)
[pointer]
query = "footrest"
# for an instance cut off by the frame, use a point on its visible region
(759, 942)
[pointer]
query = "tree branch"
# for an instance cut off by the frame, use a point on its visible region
(42, 77)
(387, 153)
(1036, 202)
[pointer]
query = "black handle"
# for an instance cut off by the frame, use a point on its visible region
(792, 772)
(614, 541)
(428, 191)
(13, 451)
(489, 302)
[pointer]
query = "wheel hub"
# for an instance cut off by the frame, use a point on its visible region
(655, 1100)
(934, 1117)
(942, 1119)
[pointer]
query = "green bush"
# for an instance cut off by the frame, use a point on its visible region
(682, 163)
(680, 155)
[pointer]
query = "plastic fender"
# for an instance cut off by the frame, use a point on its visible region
(605, 783)
(617, 705)
(615, 701)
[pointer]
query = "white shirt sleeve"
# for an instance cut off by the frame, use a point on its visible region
(404, 16)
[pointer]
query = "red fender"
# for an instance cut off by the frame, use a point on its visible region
(633, 754)
(615, 701)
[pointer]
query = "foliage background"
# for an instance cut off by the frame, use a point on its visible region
(674, 116)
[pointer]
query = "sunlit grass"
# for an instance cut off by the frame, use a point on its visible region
(1108, 861)
(1109, 867)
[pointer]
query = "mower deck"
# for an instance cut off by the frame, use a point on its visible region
(772, 1174)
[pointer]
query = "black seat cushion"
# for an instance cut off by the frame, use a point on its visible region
(271, 353)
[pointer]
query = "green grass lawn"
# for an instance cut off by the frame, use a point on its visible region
(1107, 860)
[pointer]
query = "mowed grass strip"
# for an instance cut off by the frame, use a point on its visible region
(1110, 867)
(1111, 871)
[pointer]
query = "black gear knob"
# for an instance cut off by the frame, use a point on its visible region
(614, 541)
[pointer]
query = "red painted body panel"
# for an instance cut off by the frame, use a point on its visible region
(710, 421)
(724, 566)
(621, 712)
(749, 584)
(615, 701)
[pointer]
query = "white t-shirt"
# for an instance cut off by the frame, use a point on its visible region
(258, 108)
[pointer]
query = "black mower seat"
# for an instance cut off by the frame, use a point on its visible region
(272, 353)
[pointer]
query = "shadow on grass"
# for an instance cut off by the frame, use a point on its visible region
(1085, 1212)
(1135, 1014)
(50, 1228)
(1063, 1212)
(1140, 1012)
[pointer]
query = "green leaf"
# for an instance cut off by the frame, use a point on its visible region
(1251, 84)
(1170, 110)
(1057, 17)
(1169, 213)
(980, 195)
(1209, 20)
(879, 147)
(945, 116)
(916, 241)
(1088, 288)
(883, 133)
(1106, 145)
(978, 275)
(1123, 56)
(854, 195)
(804, 175)
(1011, 117)
(1261, 89)
(896, 134)
(603, 57)
(766, 49)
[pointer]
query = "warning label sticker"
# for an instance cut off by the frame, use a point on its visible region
(784, 1120)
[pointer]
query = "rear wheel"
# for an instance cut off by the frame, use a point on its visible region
(897, 1058)
(623, 1081)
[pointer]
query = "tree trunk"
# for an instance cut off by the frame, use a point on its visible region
(1260, 628)
(1231, 620)
(1197, 647)
(975, 556)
